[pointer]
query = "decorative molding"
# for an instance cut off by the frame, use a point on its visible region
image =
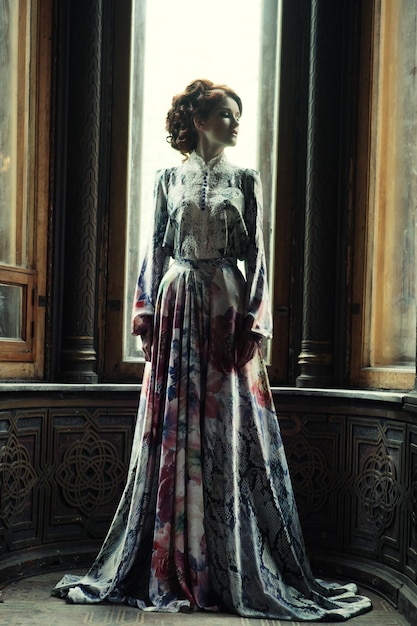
(311, 473)
(90, 474)
(17, 479)
(64, 457)
(377, 489)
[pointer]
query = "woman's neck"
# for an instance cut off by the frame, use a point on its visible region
(208, 152)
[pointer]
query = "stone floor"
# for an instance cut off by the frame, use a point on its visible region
(28, 602)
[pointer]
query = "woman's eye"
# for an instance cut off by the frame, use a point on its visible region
(228, 114)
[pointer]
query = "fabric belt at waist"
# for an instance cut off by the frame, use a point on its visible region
(206, 263)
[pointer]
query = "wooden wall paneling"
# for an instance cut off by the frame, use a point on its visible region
(64, 457)
(316, 458)
(91, 451)
(376, 466)
(410, 481)
(21, 480)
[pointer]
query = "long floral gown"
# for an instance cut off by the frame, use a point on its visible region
(207, 519)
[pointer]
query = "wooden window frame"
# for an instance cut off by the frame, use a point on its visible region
(115, 368)
(362, 374)
(24, 359)
(22, 348)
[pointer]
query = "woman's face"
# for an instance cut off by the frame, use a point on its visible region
(221, 127)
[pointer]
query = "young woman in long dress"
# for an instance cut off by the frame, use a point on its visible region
(207, 520)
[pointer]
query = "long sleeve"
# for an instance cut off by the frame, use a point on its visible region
(156, 258)
(257, 305)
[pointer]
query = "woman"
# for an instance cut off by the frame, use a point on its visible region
(207, 519)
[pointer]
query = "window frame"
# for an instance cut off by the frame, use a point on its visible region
(115, 368)
(22, 348)
(24, 359)
(363, 375)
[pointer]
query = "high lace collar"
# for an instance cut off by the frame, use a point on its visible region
(196, 160)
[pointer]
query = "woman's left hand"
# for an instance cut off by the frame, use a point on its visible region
(246, 348)
(147, 344)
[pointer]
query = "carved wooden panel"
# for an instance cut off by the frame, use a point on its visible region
(63, 467)
(353, 489)
(21, 479)
(62, 471)
(316, 457)
(89, 454)
(375, 469)
(410, 531)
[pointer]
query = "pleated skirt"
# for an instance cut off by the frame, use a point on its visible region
(208, 520)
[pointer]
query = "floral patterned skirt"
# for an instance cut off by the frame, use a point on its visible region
(208, 519)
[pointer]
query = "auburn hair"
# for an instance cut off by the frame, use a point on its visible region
(198, 99)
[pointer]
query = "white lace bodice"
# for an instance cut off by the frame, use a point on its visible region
(205, 205)
(206, 211)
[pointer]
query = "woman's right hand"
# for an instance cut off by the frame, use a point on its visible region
(143, 326)
(248, 344)
(147, 338)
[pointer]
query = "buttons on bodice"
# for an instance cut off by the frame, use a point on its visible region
(204, 191)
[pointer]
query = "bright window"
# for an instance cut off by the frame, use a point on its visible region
(234, 42)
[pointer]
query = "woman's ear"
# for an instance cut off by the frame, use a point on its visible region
(199, 123)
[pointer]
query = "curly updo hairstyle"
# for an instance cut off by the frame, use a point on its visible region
(198, 98)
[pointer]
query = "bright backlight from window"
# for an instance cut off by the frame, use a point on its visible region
(175, 43)
(189, 39)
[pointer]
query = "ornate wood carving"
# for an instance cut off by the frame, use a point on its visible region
(62, 470)
(64, 457)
